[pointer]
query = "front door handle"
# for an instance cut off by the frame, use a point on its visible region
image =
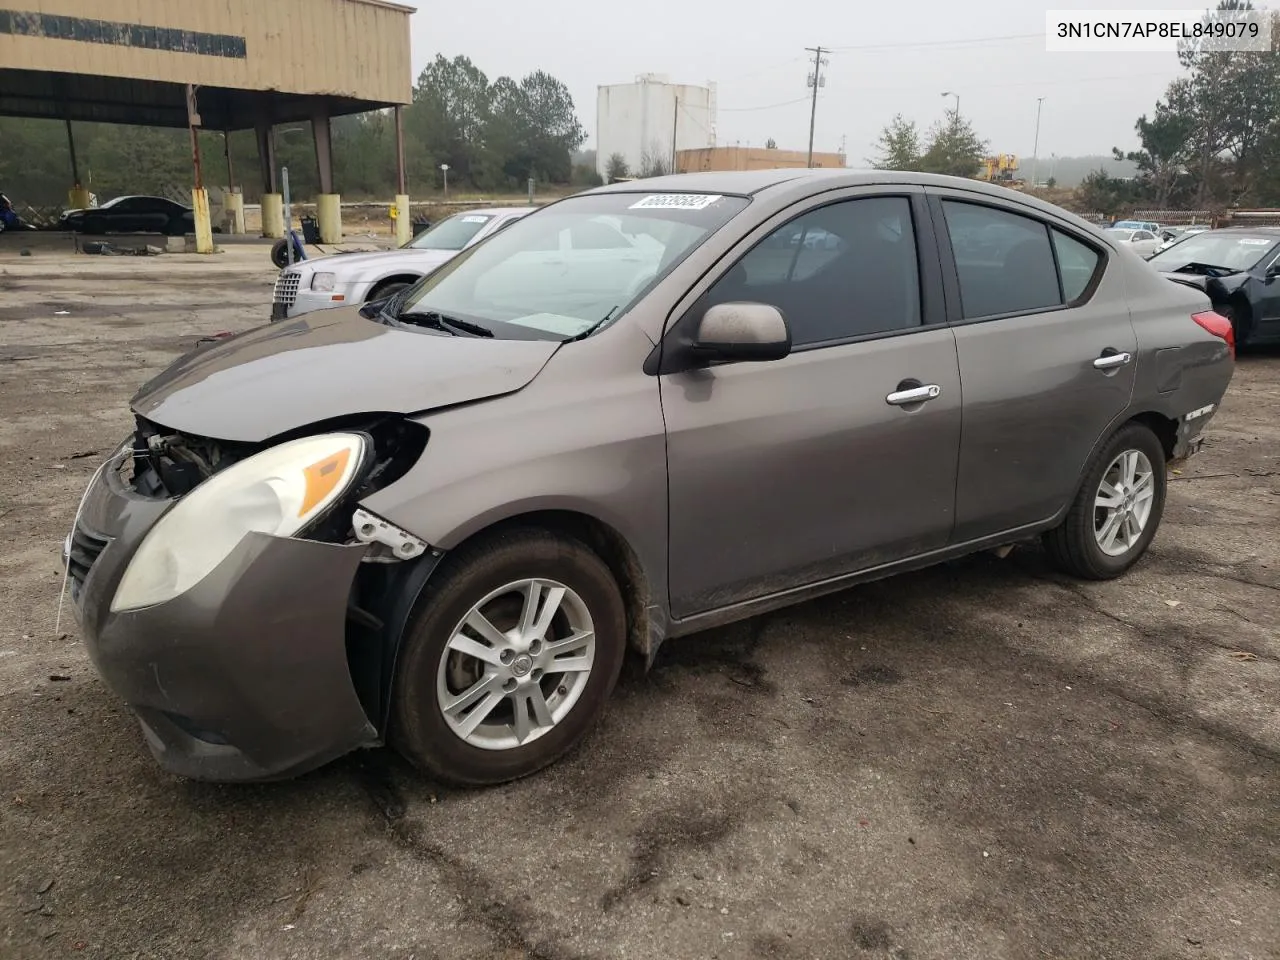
(905, 398)
(1109, 361)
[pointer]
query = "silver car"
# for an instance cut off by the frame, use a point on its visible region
(343, 279)
(444, 520)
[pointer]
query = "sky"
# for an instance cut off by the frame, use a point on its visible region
(885, 59)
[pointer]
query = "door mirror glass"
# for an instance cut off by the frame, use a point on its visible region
(1273, 270)
(742, 331)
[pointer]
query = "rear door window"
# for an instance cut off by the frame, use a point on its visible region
(1077, 263)
(1004, 261)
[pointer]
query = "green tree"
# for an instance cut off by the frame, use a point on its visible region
(451, 108)
(953, 148)
(1167, 150)
(616, 167)
(899, 146)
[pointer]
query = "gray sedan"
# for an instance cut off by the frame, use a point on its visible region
(445, 519)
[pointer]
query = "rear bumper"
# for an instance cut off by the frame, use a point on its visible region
(243, 677)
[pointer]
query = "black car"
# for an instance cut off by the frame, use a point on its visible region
(132, 215)
(1239, 268)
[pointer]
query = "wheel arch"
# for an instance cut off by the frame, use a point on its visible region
(611, 546)
(382, 282)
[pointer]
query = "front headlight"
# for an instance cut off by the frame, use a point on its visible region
(277, 492)
(323, 281)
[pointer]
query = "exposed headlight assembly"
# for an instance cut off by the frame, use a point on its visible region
(323, 282)
(276, 492)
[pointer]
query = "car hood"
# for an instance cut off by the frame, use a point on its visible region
(345, 265)
(1219, 286)
(332, 363)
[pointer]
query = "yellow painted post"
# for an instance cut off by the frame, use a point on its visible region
(329, 215)
(233, 202)
(404, 226)
(273, 215)
(204, 224)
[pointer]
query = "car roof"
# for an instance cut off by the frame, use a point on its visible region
(1264, 231)
(495, 211)
(802, 181)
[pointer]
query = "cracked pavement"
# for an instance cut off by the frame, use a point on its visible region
(981, 760)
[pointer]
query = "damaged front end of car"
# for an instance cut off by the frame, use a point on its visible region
(241, 600)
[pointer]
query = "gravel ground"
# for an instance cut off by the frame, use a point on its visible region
(983, 760)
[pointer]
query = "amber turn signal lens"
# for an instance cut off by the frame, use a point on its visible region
(321, 477)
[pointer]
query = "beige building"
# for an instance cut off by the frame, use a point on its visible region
(251, 64)
(750, 158)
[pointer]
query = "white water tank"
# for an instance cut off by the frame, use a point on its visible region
(639, 121)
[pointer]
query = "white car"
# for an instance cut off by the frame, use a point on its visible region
(1142, 242)
(353, 278)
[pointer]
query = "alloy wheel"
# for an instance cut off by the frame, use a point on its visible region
(1123, 502)
(516, 664)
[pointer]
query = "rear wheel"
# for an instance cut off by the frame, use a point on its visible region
(507, 664)
(1117, 511)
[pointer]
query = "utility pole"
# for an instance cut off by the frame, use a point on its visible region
(675, 128)
(1035, 151)
(816, 80)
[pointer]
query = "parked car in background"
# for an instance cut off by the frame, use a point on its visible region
(646, 410)
(1149, 225)
(1142, 242)
(1239, 269)
(1171, 235)
(346, 278)
(131, 215)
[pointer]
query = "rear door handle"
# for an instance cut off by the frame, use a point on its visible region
(905, 398)
(1109, 360)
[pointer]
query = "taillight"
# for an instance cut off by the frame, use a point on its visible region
(1219, 326)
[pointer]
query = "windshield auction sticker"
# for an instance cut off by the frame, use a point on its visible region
(676, 201)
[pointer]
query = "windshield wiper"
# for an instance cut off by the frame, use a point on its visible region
(439, 321)
(594, 327)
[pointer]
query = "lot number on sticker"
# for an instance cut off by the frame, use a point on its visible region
(676, 201)
(1255, 243)
(474, 219)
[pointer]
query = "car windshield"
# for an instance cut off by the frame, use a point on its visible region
(572, 267)
(112, 202)
(1121, 234)
(452, 233)
(1230, 251)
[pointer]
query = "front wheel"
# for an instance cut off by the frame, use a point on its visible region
(517, 644)
(1117, 511)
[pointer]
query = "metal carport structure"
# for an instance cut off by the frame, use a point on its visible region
(227, 65)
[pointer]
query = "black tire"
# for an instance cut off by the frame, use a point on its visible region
(385, 290)
(1238, 315)
(280, 254)
(418, 729)
(1073, 546)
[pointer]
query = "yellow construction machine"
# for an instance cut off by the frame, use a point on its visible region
(1002, 169)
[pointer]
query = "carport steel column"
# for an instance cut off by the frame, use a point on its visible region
(272, 202)
(328, 203)
(404, 227)
(199, 195)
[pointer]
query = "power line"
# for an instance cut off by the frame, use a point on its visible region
(969, 41)
(767, 106)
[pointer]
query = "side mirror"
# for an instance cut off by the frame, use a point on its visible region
(742, 332)
(1273, 271)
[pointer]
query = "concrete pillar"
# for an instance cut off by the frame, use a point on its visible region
(404, 226)
(233, 203)
(77, 198)
(272, 215)
(204, 225)
(329, 215)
